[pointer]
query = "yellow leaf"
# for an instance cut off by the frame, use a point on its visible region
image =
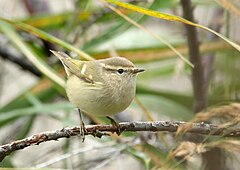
(169, 18)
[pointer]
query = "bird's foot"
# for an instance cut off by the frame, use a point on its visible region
(99, 134)
(82, 129)
(115, 125)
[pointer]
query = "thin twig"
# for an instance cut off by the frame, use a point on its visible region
(100, 130)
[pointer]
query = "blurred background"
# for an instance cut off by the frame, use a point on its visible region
(169, 89)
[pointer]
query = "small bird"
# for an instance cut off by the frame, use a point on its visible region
(100, 87)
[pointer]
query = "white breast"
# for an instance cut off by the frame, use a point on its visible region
(98, 99)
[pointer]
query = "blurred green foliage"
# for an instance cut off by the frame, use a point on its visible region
(164, 89)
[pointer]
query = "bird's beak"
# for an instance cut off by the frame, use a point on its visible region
(137, 70)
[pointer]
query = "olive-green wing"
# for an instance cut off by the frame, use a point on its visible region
(73, 66)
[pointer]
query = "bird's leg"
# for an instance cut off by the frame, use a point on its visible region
(82, 128)
(115, 125)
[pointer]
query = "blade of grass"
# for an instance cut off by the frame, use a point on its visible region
(183, 99)
(43, 90)
(45, 36)
(149, 32)
(155, 53)
(141, 156)
(25, 129)
(109, 33)
(121, 25)
(51, 21)
(163, 107)
(169, 18)
(22, 46)
(45, 109)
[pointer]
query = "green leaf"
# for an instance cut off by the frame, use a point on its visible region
(158, 156)
(22, 46)
(45, 36)
(43, 93)
(166, 107)
(183, 99)
(54, 21)
(121, 25)
(141, 156)
(26, 127)
(169, 17)
(7, 163)
(44, 109)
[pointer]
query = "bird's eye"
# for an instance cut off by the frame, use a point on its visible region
(120, 71)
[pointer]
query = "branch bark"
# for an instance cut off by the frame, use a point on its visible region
(200, 97)
(100, 130)
(214, 158)
(25, 65)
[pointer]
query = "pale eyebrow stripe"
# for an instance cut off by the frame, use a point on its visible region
(83, 68)
(104, 65)
(109, 67)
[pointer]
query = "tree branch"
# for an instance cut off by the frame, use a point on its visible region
(24, 64)
(200, 97)
(100, 130)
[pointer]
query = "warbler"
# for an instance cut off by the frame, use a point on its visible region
(100, 87)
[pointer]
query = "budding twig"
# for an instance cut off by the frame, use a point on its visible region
(101, 130)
